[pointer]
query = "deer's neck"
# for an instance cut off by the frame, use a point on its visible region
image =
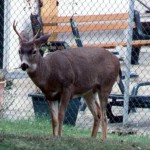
(39, 74)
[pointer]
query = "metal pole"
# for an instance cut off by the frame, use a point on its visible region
(7, 27)
(128, 62)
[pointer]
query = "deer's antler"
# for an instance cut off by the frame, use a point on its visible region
(14, 27)
(34, 38)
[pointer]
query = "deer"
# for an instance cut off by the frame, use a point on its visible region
(63, 75)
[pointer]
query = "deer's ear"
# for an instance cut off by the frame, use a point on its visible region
(43, 39)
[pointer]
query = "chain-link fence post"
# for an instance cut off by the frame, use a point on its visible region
(128, 62)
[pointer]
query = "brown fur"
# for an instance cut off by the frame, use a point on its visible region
(72, 72)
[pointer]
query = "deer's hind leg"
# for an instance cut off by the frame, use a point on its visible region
(54, 115)
(103, 96)
(94, 107)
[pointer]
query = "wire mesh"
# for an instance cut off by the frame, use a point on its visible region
(101, 23)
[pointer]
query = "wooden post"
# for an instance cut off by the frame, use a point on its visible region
(49, 10)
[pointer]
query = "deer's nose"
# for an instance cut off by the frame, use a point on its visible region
(24, 66)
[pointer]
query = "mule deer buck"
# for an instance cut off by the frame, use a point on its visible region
(68, 73)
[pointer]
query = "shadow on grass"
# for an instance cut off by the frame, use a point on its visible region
(29, 142)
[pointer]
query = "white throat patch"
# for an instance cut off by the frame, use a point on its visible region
(32, 68)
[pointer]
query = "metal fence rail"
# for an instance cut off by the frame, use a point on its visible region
(122, 27)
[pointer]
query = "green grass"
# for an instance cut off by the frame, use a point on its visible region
(11, 142)
(37, 135)
(39, 127)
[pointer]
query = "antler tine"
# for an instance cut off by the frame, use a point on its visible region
(14, 27)
(34, 38)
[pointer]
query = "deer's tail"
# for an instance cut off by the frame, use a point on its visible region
(120, 82)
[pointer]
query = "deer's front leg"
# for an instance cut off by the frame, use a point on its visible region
(65, 97)
(54, 115)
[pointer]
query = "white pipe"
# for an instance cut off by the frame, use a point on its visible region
(128, 62)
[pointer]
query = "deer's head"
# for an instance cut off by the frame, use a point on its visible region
(29, 50)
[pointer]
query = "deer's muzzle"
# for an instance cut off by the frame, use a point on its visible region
(24, 66)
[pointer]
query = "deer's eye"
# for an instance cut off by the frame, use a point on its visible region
(34, 52)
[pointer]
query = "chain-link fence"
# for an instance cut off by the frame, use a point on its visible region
(122, 27)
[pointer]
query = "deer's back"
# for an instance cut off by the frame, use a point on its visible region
(92, 60)
(85, 68)
(93, 66)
